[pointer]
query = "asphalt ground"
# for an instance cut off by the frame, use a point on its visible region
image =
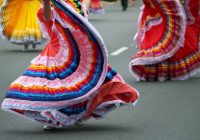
(167, 110)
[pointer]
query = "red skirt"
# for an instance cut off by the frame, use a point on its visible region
(168, 41)
(96, 7)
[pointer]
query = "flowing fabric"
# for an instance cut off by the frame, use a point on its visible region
(70, 80)
(167, 39)
(19, 22)
(1, 2)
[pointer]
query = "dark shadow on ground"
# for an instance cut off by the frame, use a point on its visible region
(70, 130)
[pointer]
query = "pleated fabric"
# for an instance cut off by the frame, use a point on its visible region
(18, 22)
(70, 80)
(168, 41)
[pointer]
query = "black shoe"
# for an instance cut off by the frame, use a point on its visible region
(25, 47)
(34, 46)
(124, 9)
(79, 123)
(47, 127)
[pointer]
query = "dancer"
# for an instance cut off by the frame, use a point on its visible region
(124, 4)
(96, 7)
(19, 22)
(167, 40)
(70, 81)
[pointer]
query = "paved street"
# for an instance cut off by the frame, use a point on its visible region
(165, 111)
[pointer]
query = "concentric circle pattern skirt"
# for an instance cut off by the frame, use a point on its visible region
(70, 80)
(168, 41)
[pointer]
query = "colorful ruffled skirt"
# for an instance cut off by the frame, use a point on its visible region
(19, 22)
(168, 41)
(70, 80)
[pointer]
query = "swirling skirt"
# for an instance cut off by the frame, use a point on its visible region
(71, 79)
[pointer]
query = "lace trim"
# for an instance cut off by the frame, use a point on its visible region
(184, 77)
(60, 57)
(49, 111)
(57, 116)
(104, 108)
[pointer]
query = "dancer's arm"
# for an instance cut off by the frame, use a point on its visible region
(46, 9)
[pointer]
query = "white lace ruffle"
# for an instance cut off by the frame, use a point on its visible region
(57, 60)
(103, 108)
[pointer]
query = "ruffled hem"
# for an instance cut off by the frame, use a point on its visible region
(57, 119)
(166, 70)
(97, 107)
